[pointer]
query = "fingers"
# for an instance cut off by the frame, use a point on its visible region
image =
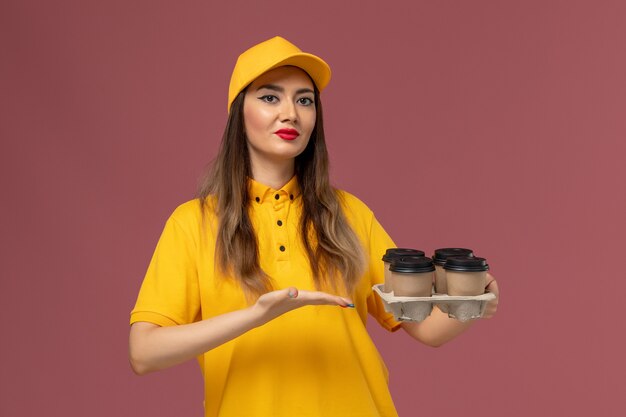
(322, 298)
(492, 286)
(275, 303)
(490, 311)
(292, 292)
(492, 306)
(305, 297)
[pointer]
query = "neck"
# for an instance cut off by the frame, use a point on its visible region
(273, 174)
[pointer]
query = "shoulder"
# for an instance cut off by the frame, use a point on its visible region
(189, 215)
(357, 212)
(187, 210)
(353, 204)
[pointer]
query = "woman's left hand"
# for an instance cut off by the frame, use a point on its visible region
(492, 306)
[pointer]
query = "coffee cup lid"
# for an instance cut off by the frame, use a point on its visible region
(412, 264)
(440, 256)
(393, 253)
(466, 264)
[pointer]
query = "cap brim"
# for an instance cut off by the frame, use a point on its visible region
(318, 70)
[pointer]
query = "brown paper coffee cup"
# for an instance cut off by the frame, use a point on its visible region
(465, 276)
(466, 283)
(387, 287)
(389, 256)
(439, 259)
(412, 277)
(412, 285)
(440, 280)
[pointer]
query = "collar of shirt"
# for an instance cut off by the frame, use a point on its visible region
(260, 193)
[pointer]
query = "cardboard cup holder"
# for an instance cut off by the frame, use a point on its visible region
(462, 308)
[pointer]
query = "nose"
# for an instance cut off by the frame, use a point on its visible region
(288, 111)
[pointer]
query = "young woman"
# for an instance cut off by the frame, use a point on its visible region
(267, 277)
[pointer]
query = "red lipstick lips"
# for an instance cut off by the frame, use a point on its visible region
(287, 134)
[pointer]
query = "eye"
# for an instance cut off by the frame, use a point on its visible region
(269, 98)
(305, 101)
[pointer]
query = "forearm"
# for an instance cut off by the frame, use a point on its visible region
(436, 329)
(153, 347)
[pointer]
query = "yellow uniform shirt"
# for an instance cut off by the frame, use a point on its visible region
(314, 361)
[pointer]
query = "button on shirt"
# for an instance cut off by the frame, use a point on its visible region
(313, 361)
(271, 219)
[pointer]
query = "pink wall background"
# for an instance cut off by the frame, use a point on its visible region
(495, 125)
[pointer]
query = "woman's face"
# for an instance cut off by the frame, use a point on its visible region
(279, 115)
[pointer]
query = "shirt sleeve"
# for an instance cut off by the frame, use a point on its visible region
(169, 294)
(379, 242)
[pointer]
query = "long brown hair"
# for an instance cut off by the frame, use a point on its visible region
(333, 249)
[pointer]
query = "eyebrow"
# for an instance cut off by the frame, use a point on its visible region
(280, 89)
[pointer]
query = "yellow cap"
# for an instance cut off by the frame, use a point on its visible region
(274, 53)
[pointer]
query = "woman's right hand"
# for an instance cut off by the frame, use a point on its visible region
(153, 347)
(273, 304)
